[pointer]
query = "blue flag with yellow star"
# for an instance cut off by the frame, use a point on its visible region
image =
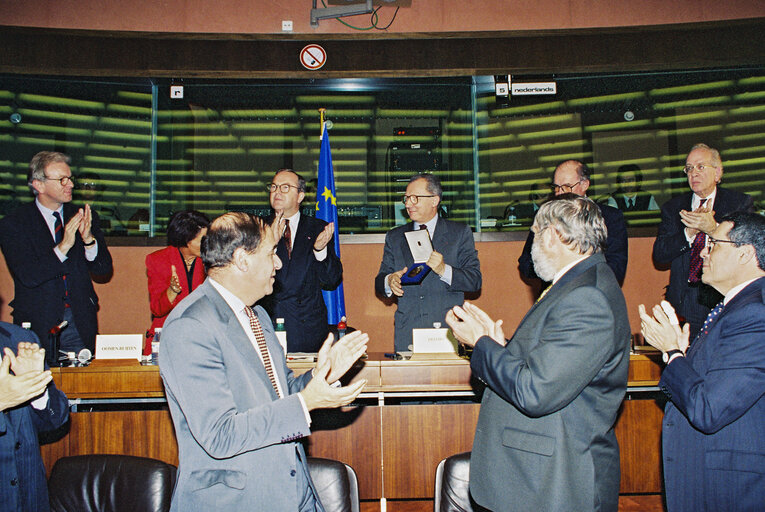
(326, 209)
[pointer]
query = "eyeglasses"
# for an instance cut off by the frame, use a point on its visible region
(712, 241)
(283, 188)
(689, 168)
(414, 199)
(564, 188)
(64, 180)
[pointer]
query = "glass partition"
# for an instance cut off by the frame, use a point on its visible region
(140, 155)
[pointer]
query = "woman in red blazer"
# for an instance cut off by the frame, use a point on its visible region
(175, 270)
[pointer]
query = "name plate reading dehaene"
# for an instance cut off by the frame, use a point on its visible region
(119, 346)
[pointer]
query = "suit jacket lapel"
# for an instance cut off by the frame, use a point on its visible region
(237, 337)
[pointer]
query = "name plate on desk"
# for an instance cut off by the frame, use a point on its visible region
(119, 346)
(433, 344)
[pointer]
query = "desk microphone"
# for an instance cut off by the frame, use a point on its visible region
(84, 356)
(56, 329)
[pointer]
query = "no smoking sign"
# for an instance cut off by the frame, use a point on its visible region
(313, 56)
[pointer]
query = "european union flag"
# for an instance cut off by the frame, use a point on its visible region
(326, 209)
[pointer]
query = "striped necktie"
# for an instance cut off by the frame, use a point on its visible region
(58, 228)
(699, 241)
(288, 238)
(257, 330)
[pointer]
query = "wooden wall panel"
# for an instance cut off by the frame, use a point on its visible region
(416, 438)
(639, 433)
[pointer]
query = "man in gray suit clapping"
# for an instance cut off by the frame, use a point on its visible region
(238, 410)
(545, 435)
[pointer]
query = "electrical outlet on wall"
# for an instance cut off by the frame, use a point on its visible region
(286, 25)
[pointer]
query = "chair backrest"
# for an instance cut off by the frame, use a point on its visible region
(336, 484)
(110, 483)
(452, 484)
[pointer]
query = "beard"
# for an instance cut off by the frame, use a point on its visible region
(543, 266)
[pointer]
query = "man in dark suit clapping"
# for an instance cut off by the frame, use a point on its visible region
(51, 248)
(685, 221)
(713, 440)
(309, 265)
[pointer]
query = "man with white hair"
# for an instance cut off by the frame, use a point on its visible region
(545, 435)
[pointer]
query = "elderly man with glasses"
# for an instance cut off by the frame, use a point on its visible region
(686, 220)
(573, 177)
(309, 265)
(52, 248)
(713, 440)
(454, 263)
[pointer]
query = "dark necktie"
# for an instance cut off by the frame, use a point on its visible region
(58, 229)
(288, 238)
(711, 317)
(58, 235)
(257, 330)
(694, 272)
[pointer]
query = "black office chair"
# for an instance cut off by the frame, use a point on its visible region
(336, 484)
(452, 479)
(110, 483)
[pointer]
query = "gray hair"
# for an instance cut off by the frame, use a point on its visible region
(38, 164)
(748, 229)
(433, 184)
(713, 151)
(577, 220)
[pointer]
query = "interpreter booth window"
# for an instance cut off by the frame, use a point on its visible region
(140, 153)
(104, 126)
(220, 145)
(633, 130)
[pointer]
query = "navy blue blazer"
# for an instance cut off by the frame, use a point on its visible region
(27, 245)
(23, 486)
(426, 303)
(714, 425)
(692, 301)
(615, 251)
(297, 293)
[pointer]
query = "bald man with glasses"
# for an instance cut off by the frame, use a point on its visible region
(51, 248)
(686, 221)
(573, 177)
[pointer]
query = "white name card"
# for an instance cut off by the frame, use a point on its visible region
(433, 341)
(119, 346)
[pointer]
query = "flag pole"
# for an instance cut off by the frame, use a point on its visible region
(322, 110)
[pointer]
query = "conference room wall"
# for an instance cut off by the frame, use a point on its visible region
(418, 16)
(124, 299)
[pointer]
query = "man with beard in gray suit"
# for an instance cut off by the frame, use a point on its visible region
(545, 435)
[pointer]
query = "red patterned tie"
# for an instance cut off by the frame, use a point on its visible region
(288, 238)
(699, 241)
(257, 330)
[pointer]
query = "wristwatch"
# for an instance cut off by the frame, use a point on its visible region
(669, 353)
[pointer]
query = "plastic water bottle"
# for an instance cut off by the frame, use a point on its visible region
(155, 346)
(341, 327)
(281, 333)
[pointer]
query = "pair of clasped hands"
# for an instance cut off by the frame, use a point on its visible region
(23, 375)
(435, 262)
(80, 222)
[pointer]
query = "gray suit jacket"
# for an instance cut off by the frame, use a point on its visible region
(545, 435)
(428, 302)
(236, 441)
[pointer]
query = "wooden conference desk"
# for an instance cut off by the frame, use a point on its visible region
(411, 415)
